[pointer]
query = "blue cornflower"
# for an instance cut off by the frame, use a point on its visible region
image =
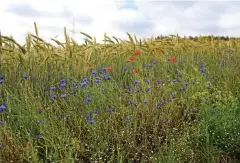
(214, 111)
(203, 70)
(168, 59)
(127, 117)
(150, 65)
(181, 89)
(54, 96)
(1, 145)
(91, 121)
(86, 100)
(148, 81)
(62, 85)
(88, 116)
(111, 110)
(39, 121)
(63, 116)
(1, 81)
(3, 107)
(63, 80)
(154, 62)
(53, 88)
(158, 106)
(97, 81)
(39, 111)
(38, 136)
(94, 72)
(175, 80)
(159, 81)
(1, 76)
(147, 89)
(131, 102)
(145, 101)
(172, 96)
(185, 83)
(64, 96)
(84, 84)
(135, 82)
(26, 76)
(1, 123)
(125, 69)
(96, 111)
(100, 71)
(107, 77)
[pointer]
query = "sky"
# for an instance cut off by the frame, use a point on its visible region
(144, 18)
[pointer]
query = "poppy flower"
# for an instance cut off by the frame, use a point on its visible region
(173, 59)
(136, 71)
(137, 52)
(131, 58)
(109, 68)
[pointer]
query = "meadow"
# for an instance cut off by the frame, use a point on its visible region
(171, 100)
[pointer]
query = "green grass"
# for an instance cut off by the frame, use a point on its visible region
(197, 124)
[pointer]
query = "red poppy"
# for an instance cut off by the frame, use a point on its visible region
(109, 68)
(173, 59)
(131, 58)
(136, 71)
(137, 52)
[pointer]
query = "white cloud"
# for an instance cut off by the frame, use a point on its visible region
(95, 17)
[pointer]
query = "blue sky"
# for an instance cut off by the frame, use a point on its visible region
(116, 17)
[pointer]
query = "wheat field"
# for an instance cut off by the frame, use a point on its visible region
(167, 100)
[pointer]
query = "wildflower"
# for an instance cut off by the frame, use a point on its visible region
(137, 52)
(214, 111)
(125, 69)
(38, 136)
(91, 121)
(158, 106)
(150, 65)
(68, 91)
(112, 110)
(63, 116)
(88, 116)
(107, 77)
(154, 62)
(185, 83)
(1, 123)
(96, 111)
(202, 70)
(1, 145)
(127, 117)
(164, 121)
(53, 88)
(159, 81)
(1, 81)
(54, 96)
(1, 76)
(181, 89)
(26, 77)
(148, 81)
(147, 89)
(64, 96)
(62, 85)
(172, 96)
(173, 59)
(168, 59)
(39, 121)
(100, 71)
(83, 84)
(88, 99)
(94, 72)
(136, 71)
(145, 101)
(135, 82)
(39, 111)
(131, 102)
(109, 68)
(97, 81)
(3, 107)
(132, 59)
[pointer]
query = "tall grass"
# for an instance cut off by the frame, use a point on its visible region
(63, 103)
